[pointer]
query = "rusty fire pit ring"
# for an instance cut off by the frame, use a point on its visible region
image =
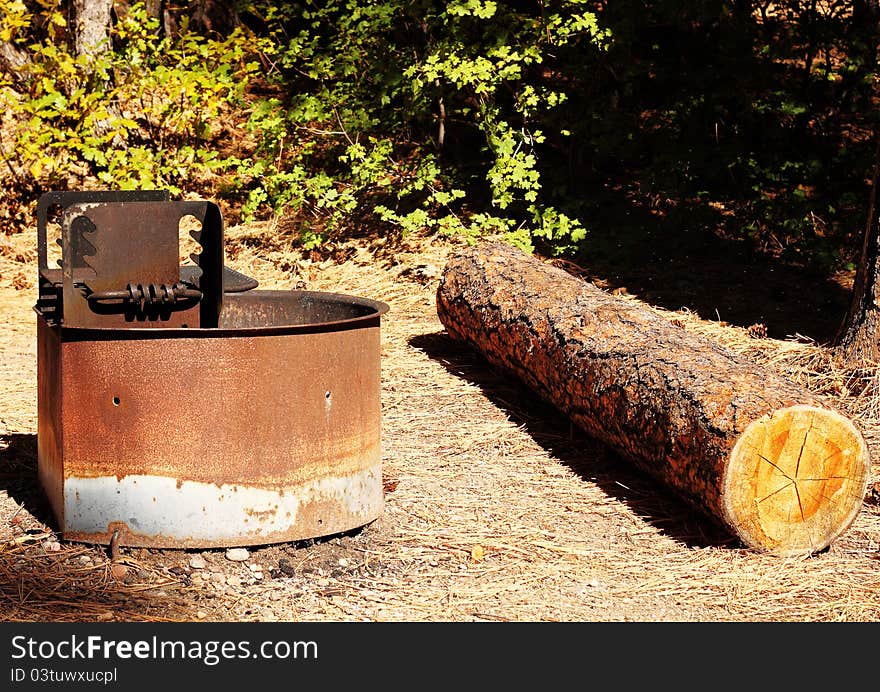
(181, 408)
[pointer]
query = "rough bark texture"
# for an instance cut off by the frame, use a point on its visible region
(761, 456)
(158, 9)
(859, 339)
(12, 58)
(92, 26)
(214, 16)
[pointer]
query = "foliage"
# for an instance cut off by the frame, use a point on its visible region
(754, 118)
(142, 115)
(417, 114)
(528, 120)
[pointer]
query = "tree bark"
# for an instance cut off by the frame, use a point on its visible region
(158, 10)
(214, 16)
(12, 58)
(13, 62)
(858, 341)
(763, 457)
(92, 31)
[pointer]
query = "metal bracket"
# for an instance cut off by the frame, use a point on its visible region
(122, 245)
(49, 280)
(120, 262)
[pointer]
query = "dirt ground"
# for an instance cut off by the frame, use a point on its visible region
(496, 508)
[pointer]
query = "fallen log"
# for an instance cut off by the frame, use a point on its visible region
(764, 458)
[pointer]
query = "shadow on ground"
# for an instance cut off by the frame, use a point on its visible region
(68, 582)
(18, 475)
(672, 267)
(588, 458)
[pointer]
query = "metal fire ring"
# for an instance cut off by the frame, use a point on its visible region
(180, 407)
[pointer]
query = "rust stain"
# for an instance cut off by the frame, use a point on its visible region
(276, 405)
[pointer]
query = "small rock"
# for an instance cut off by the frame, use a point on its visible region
(255, 567)
(233, 580)
(201, 614)
(285, 566)
(237, 554)
(343, 562)
(198, 562)
(105, 616)
(118, 571)
(218, 577)
(51, 546)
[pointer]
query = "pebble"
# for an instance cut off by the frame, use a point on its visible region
(201, 614)
(51, 546)
(237, 554)
(218, 577)
(119, 571)
(197, 562)
(233, 580)
(343, 562)
(255, 567)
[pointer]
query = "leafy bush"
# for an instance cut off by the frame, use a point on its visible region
(465, 117)
(143, 115)
(415, 114)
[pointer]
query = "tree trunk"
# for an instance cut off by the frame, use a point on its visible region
(764, 458)
(858, 341)
(158, 10)
(92, 31)
(213, 16)
(12, 58)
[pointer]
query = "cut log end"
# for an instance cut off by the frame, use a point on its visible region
(796, 480)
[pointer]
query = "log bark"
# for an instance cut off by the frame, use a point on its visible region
(761, 456)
